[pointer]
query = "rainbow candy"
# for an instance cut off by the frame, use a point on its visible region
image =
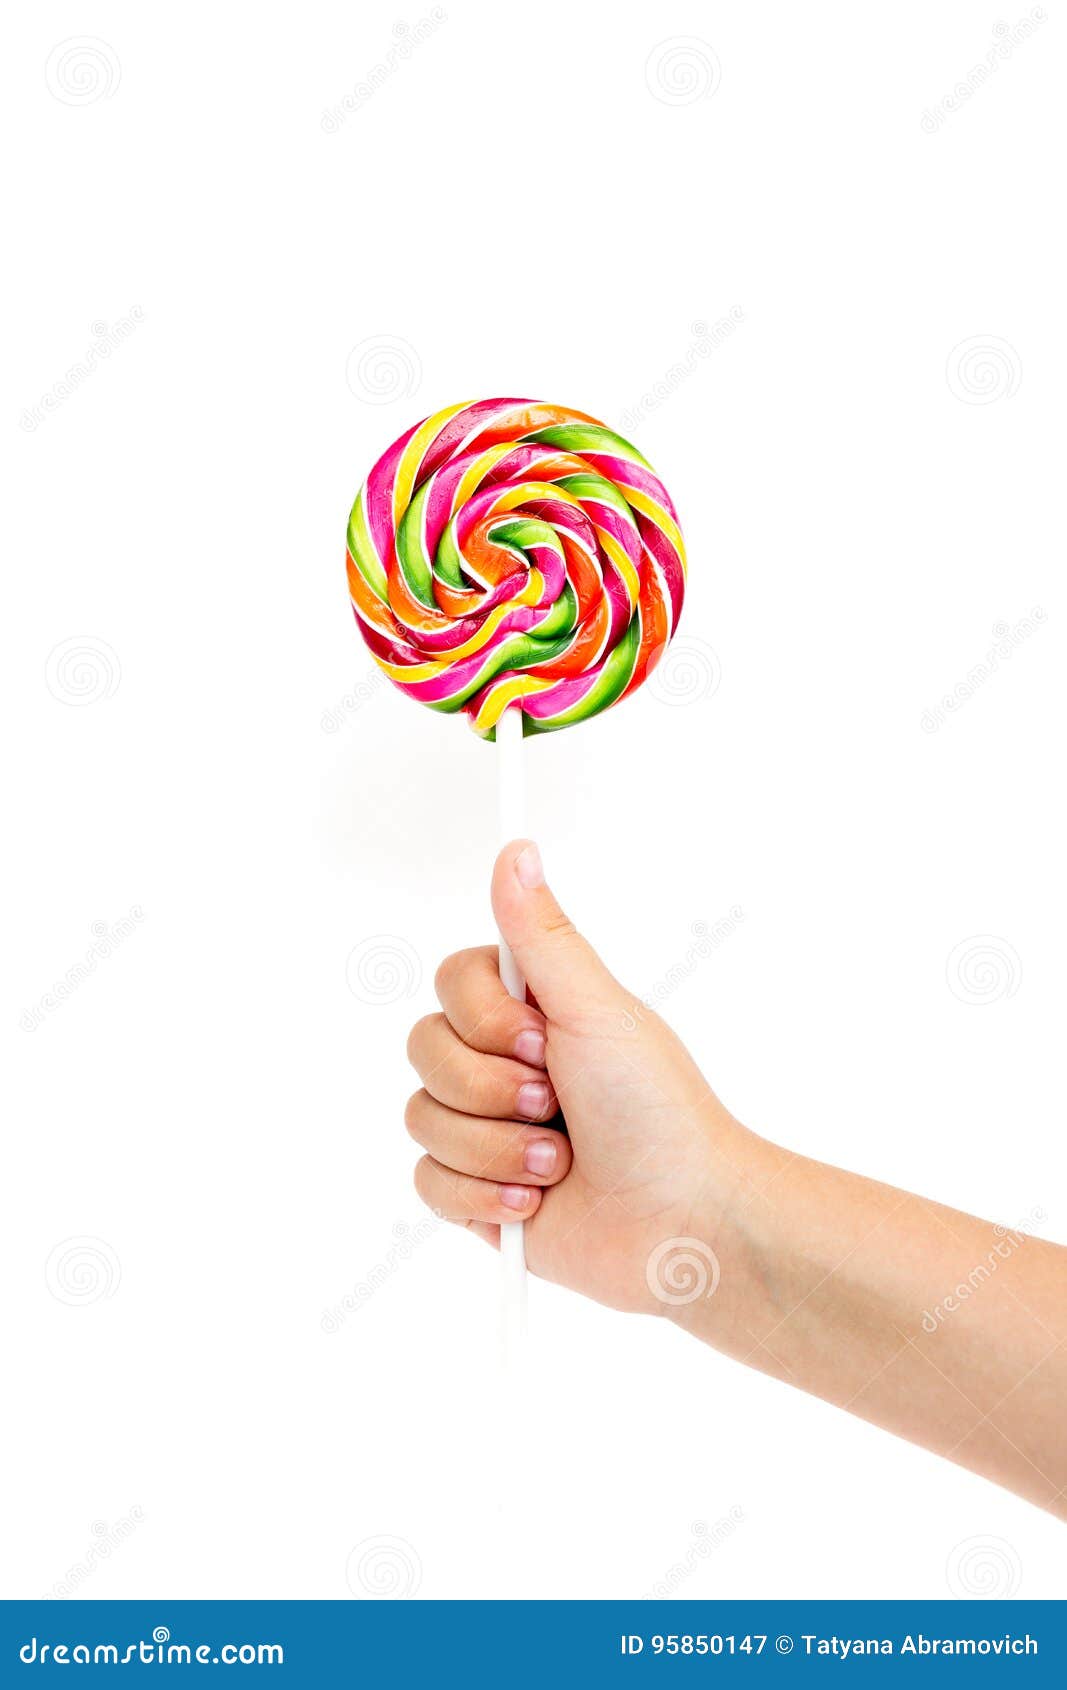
(513, 554)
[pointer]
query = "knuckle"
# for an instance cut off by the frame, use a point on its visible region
(447, 971)
(559, 926)
(421, 1178)
(414, 1110)
(421, 1035)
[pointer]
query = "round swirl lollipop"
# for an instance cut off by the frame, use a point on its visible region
(513, 555)
(523, 563)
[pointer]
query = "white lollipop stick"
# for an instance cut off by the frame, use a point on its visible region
(511, 795)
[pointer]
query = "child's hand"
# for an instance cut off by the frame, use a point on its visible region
(657, 1200)
(650, 1154)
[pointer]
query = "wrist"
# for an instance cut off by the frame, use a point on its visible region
(746, 1228)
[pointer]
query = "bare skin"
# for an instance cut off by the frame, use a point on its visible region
(938, 1326)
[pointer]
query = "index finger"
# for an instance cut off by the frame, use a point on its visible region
(479, 1010)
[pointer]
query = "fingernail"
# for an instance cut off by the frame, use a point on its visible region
(528, 870)
(540, 1156)
(530, 1047)
(515, 1196)
(532, 1099)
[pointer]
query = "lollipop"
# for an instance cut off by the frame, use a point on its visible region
(522, 563)
(515, 555)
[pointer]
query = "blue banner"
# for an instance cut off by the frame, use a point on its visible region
(512, 1645)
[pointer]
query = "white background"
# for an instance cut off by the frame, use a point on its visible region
(531, 204)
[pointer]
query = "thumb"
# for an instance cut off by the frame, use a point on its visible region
(561, 968)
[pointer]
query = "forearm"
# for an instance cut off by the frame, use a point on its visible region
(935, 1325)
